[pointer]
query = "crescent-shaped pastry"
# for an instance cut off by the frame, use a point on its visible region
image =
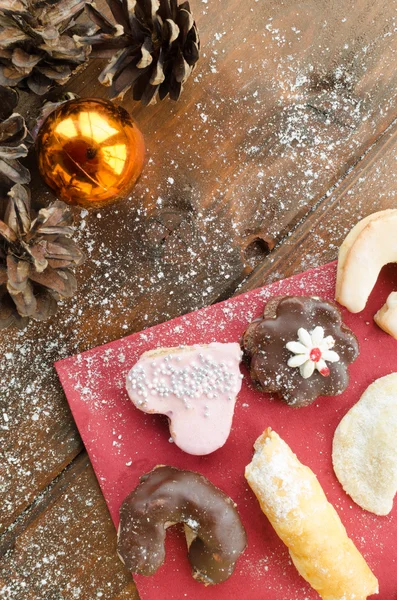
(166, 496)
(295, 504)
(364, 452)
(370, 245)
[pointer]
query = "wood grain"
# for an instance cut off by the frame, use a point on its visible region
(370, 187)
(286, 98)
(64, 546)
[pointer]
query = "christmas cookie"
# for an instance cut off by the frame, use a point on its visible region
(166, 496)
(300, 349)
(386, 317)
(370, 245)
(195, 387)
(364, 452)
(294, 502)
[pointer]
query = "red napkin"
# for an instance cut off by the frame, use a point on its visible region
(123, 443)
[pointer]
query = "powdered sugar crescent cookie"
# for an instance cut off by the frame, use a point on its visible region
(364, 452)
(370, 245)
(195, 387)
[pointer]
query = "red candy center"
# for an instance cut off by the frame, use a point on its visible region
(325, 372)
(315, 354)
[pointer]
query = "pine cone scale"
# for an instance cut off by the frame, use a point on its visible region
(17, 273)
(24, 60)
(57, 218)
(62, 283)
(38, 256)
(13, 131)
(17, 215)
(46, 306)
(57, 12)
(185, 23)
(10, 76)
(158, 74)
(8, 101)
(117, 65)
(181, 69)
(7, 233)
(25, 301)
(121, 11)
(65, 251)
(165, 10)
(3, 275)
(12, 170)
(100, 20)
(19, 287)
(125, 80)
(59, 74)
(170, 31)
(8, 314)
(17, 151)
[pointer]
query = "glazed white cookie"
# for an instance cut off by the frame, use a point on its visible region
(364, 452)
(370, 245)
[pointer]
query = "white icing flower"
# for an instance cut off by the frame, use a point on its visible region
(311, 352)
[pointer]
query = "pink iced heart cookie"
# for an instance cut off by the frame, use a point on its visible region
(195, 387)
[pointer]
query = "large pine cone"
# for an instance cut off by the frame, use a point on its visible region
(36, 256)
(37, 48)
(14, 141)
(157, 47)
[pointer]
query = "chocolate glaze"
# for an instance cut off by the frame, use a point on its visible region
(166, 496)
(264, 348)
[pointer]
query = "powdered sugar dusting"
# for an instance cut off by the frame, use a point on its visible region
(272, 474)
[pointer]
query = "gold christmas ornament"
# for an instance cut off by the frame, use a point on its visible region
(90, 152)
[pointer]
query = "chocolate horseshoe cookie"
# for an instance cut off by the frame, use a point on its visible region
(300, 349)
(166, 496)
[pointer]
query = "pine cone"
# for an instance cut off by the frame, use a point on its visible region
(157, 47)
(14, 140)
(37, 48)
(36, 254)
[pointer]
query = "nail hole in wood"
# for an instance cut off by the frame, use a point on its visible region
(256, 248)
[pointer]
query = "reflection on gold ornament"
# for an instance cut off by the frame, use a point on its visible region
(90, 152)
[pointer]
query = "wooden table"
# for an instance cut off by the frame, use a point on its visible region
(284, 138)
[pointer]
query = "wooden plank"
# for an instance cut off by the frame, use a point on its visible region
(371, 186)
(283, 101)
(66, 546)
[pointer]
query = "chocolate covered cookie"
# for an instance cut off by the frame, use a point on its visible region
(166, 496)
(300, 349)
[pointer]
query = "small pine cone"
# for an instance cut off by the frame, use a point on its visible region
(36, 257)
(153, 48)
(14, 140)
(37, 49)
